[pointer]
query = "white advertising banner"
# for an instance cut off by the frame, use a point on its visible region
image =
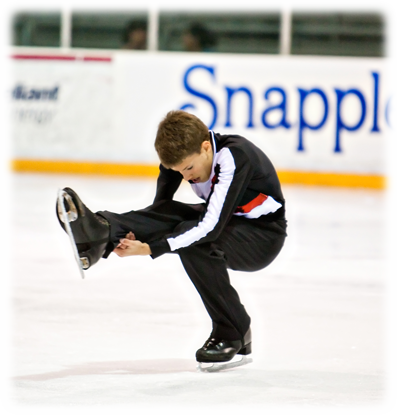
(57, 107)
(318, 114)
(312, 114)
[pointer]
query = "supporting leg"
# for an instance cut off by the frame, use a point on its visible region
(206, 267)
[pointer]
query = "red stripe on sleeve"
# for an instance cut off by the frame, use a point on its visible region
(259, 200)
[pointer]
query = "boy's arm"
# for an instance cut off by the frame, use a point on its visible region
(235, 172)
(167, 184)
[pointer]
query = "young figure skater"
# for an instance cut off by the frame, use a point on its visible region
(240, 226)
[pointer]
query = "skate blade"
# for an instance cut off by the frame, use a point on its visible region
(237, 361)
(66, 219)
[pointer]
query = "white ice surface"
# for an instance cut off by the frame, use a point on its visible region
(126, 335)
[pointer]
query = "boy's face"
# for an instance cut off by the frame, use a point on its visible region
(197, 167)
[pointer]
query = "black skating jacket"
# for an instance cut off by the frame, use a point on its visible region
(243, 182)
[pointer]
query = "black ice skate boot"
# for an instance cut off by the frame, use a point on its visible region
(91, 232)
(219, 350)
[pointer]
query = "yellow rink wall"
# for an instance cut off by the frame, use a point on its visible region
(144, 170)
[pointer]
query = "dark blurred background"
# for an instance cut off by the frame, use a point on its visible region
(325, 33)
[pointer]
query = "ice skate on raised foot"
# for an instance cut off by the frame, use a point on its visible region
(218, 354)
(88, 232)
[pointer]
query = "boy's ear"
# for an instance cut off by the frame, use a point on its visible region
(206, 145)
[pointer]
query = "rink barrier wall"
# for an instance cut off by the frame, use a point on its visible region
(76, 167)
(321, 120)
(151, 171)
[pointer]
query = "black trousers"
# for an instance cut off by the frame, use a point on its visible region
(244, 245)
